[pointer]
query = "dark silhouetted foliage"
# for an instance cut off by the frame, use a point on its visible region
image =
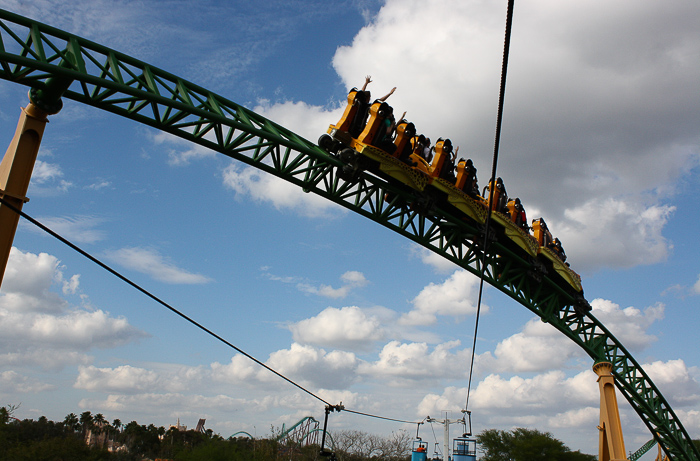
(526, 445)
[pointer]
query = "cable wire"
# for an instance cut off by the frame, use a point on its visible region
(190, 320)
(154, 297)
(492, 184)
(383, 417)
(437, 445)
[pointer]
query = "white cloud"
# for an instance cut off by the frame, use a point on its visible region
(620, 232)
(77, 229)
(402, 363)
(46, 357)
(675, 382)
(11, 381)
(542, 396)
(349, 328)
(351, 279)
(456, 297)
(691, 420)
(240, 369)
(76, 329)
(38, 327)
(126, 379)
(577, 418)
(303, 364)
(696, 286)
(148, 261)
(44, 172)
(305, 120)
(180, 151)
(264, 188)
(100, 184)
(27, 282)
(327, 370)
(539, 347)
(433, 404)
(437, 262)
(47, 179)
(176, 403)
(628, 325)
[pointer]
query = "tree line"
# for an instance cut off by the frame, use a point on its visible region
(91, 437)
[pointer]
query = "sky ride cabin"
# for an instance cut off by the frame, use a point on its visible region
(368, 137)
(463, 449)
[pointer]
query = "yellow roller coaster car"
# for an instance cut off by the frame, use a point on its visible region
(368, 137)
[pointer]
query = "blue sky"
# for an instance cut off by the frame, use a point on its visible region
(600, 138)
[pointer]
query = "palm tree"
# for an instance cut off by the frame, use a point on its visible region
(101, 425)
(70, 422)
(85, 422)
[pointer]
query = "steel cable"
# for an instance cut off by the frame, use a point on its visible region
(492, 185)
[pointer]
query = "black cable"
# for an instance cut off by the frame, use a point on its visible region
(492, 183)
(435, 438)
(154, 297)
(174, 310)
(382, 417)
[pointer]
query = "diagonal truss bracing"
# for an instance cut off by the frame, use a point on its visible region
(32, 54)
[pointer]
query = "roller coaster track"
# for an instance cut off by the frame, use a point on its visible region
(298, 431)
(33, 54)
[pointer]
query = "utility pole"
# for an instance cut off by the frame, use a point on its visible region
(446, 433)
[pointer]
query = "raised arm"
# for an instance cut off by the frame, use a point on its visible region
(383, 98)
(368, 80)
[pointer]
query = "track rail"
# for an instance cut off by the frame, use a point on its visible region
(31, 53)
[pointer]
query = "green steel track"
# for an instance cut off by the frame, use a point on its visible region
(42, 57)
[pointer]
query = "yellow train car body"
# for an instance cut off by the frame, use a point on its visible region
(392, 166)
(571, 277)
(516, 234)
(543, 238)
(474, 209)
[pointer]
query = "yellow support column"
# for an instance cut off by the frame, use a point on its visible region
(15, 172)
(661, 456)
(611, 444)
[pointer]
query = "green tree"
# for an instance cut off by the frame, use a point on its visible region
(4, 415)
(55, 448)
(526, 445)
(71, 422)
(85, 422)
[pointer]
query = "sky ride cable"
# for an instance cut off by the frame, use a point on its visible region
(154, 297)
(437, 444)
(185, 317)
(492, 185)
(383, 417)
